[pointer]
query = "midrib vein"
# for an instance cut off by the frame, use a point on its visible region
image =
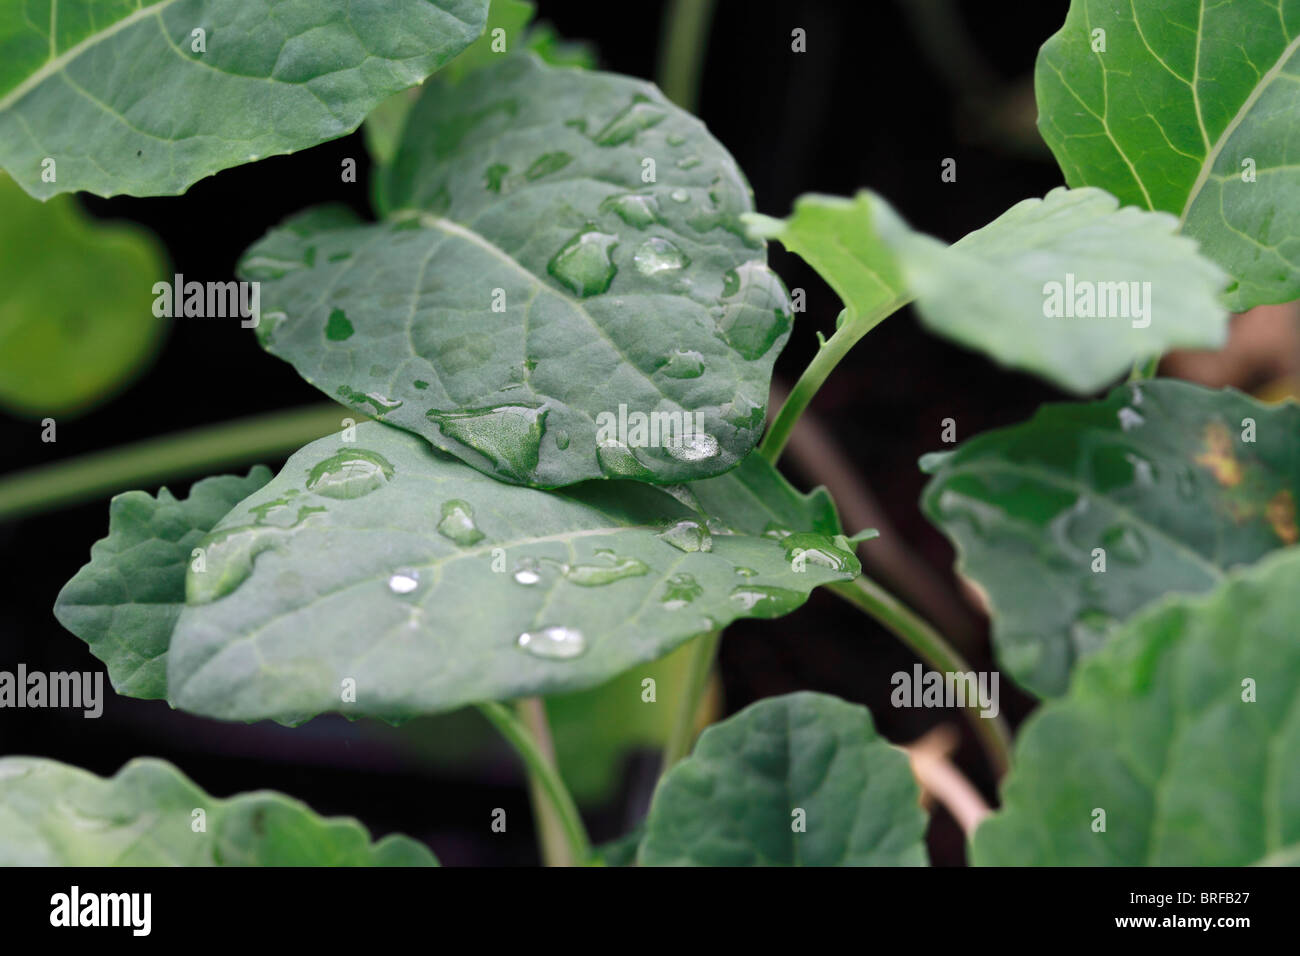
(1213, 156)
(54, 66)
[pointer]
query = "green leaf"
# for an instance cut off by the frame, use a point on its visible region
(735, 800)
(839, 238)
(127, 98)
(1184, 729)
(125, 602)
(1157, 475)
(52, 814)
(1186, 97)
(990, 291)
(390, 564)
(521, 188)
(65, 345)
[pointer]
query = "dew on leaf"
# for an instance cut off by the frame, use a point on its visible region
(546, 164)
(583, 265)
(457, 523)
(752, 318)
(679, 591)
(527, 572)
(338, 328)
(697, 446)
(687, 535)
(683, 363)
(636, 209)
(494, 175)
(1126, 543)
(556, 643)
(404, 581)
(818, 549)
(349, 474)
(617, 460)
(640, 114)
(657, 255)
(765, 601)
(509, 435)
(597, 575)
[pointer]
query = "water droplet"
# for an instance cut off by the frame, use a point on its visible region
(555, 643)
(640, 114)
(617, 460)
(685, 495)
(679, 195)
(584, 265)
(679, 591)
(716, 527)
(764, 601)
(683, 363)
(746, 572)
(457, 523)
(494, 175)
(509, 435)
(819, 549)
(1144, 473)
(688, 162)
(1130, 419)
(692, 447)
(675, 139)
(527, 572)
(1126, 543)
(774, 530)
(404, 581)
(657, 255)
(380, 403)
(754, 310)
(687, 535)
(546, 164)
(636, 209)
(349, 474)
(420, 384)
(1090, 630)
(338, 328)
(561, 439)
(597, 575)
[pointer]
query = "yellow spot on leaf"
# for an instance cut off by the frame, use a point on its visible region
(1218, 456)
(1281, 515)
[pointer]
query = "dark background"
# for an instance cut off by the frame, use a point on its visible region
(886, 90)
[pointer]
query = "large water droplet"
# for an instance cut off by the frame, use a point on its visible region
(657, 255)
(636, 209)
(753, 312)
(687, 535)
(819, 549)
(527, 572)
(457, 523)
(683, 363)
(640, 114)
(404, 581)
(556, 643)
(584, 265)
(596, 575)
(509, 435)
(349, 474)
(696, 446)
(679, 591)
(617, 460)
(763, 601)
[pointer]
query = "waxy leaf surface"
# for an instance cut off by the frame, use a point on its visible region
(799, 780)
(1174, 483)
(141, 97)
(52, 814)
(561, 246)
(1184, 730)
(1191, 107)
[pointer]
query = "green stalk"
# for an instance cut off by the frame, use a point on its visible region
(197, 450)
(703, 651)
(1144, 369)
(681, 50)
(868, 596)
(575, 848)
(818, 370)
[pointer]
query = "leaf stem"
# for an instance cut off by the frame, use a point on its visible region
(818, 370)
(1144, 368)
(703, 652)
(244, 440)
(681, 50)
(929, 645)
(529, 733)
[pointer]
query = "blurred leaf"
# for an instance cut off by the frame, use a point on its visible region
(736, 800)
(52, 814)
(122, 101)
(1184, 730)
(1156, 474)
(1184, 98)
(76, 304)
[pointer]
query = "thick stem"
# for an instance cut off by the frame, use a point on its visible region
(927, 644)
(245, 440)
(681, 50)
(818, 370)
(703, 652)
(550, 792)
